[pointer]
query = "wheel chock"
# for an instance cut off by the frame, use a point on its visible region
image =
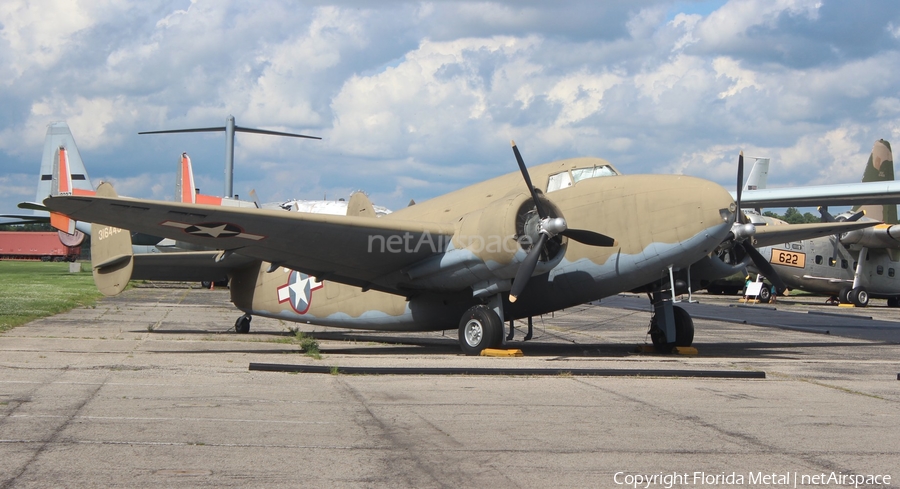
(678, 350)
(685, 350)
(846, 305)
(495, 352)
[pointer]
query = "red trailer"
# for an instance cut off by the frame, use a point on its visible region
(35, 245)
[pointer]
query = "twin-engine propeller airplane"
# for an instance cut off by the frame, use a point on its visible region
(470, 259)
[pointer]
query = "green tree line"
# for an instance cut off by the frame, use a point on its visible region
(793, 216)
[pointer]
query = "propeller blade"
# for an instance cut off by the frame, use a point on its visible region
(855, 217)
(527, 268)
(589, 237)
(826, 216)
(534, 196)
(740, 187)
(764, 266)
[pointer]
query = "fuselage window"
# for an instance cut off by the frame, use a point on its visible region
(879, 270)
(890, 272)
(831, 262)
(844, 264)
(818, 259)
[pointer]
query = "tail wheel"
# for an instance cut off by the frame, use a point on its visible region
(242, 325)
(479, 328)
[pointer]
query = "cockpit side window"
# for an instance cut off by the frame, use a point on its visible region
(558, 181)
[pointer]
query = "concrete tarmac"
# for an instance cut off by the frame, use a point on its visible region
(150, 389)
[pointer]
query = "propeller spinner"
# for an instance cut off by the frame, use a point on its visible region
(549, 227)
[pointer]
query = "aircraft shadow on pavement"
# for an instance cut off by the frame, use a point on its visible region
(391, 344)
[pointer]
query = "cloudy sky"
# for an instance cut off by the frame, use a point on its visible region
(414, 99)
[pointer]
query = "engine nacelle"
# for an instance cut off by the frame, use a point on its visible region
(880, 236)
(491, 234)
(503, 233)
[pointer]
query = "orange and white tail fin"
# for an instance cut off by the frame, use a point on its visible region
(185, 189)
(184, 185)
(880, 168)
(61, 184)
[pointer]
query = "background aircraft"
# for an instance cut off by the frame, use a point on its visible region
(855, 265)
(467, 260)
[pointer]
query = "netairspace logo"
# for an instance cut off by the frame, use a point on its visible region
(771, 479)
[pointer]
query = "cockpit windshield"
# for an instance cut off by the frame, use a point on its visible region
(565, 179)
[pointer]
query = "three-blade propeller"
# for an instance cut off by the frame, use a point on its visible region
(549, 227)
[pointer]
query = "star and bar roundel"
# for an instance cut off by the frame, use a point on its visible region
(213, 230)
(298, 290)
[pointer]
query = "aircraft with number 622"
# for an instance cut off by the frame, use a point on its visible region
(468, 260)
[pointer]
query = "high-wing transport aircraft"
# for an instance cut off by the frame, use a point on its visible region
(574, 231)
(855, 265)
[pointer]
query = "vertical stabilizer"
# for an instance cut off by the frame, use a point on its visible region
(111, 253)
(360, 205)
(59, 136)
(758, 174)
(184, 185)
(880, 168)
(62, 183)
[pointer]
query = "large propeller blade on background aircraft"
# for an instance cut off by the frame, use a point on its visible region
(549, 227)
(742, 234)
(827, 217)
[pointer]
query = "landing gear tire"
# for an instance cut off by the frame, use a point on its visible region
(765, 295)
(205, 284)
(859, 297)
(843, 295)
(242, 325)
(684, 331)
(684, 327)
(479, 328)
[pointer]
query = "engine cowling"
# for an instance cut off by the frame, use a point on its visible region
(503, 233)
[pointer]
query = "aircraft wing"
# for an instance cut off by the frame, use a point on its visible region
(773, 235)
(23, 219)
(844, 194)
(364, 251)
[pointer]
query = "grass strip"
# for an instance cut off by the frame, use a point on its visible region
(32, 290)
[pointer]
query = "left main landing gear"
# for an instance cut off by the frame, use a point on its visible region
(242, 325)
(480, 328)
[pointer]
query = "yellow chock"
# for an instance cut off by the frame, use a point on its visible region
(494, 352)
(686, 350)
(846, 305)
(645, 349)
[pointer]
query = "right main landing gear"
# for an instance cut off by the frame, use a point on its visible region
(684, 330)
(242, 325)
